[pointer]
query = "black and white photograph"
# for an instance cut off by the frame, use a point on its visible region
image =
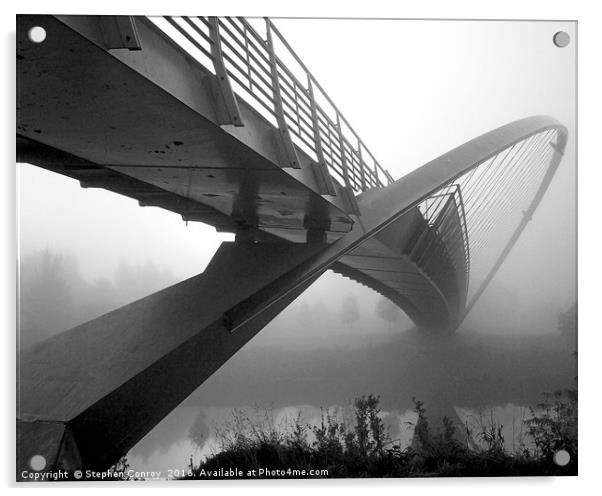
(268, 247)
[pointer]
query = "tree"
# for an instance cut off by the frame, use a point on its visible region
(553, 424)
(199, 431)
(305, 314)
(137, 281)
(387, 311)
(48, 284)
(350, 312)
(567, 322)
(54, 295)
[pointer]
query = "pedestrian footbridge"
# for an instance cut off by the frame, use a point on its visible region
(218, 120)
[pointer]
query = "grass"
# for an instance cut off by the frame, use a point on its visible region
(360, 446)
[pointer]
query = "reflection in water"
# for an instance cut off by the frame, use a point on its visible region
(510, 419)
(176, 439)
(471, 379)
(189, 433)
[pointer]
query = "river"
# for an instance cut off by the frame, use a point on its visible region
(478, 379)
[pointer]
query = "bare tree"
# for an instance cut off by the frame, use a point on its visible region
(387, 311)
(350, 312)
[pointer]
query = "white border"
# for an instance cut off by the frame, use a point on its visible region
(590, 346)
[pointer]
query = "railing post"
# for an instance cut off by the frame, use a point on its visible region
(389, 176)
(120, 32)
(343, 158)
(322, 174)
(361, 160)
(376, 178)
(229, 112)
(247, 55)
(348, 195)
(285, 138)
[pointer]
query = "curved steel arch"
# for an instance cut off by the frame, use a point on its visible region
(426, 181)
(119, 368)
(380, 208)
(90, 393)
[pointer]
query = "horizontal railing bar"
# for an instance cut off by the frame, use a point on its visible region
(316, 83)
(252, 68)
(250, 58)
(264, 65)
(292, 119)
(197, 30)
(292, 98)
(233, 63)
(204, 20)
(240, 83)
(189, 37)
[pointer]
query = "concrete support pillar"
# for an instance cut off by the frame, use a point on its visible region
(88, 395)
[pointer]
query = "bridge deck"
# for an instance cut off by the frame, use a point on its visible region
(145, 124)
(150, 118)
(148, 124)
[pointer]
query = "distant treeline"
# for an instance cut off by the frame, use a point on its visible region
(55, 296)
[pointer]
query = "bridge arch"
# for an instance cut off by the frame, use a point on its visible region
(503, 172)
(87, 395)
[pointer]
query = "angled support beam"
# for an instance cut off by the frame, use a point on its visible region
(290, 154)
(323, 180)
(120, 32)
(343, 155)
(227, 111)
(382, 207)
(362, 166)
(88, 395)
(349, 201)
(320, 169)
(348, 197)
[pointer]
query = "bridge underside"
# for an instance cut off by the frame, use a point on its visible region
(147, 124)
(120, 120)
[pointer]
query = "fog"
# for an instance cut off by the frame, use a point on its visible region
(412, 90)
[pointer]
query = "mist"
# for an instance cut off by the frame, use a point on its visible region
(85, 252)
(513, 71)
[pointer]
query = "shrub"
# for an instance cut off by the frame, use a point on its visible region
(553, 425)
(362, 447)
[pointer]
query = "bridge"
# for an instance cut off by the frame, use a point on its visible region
(218, 120)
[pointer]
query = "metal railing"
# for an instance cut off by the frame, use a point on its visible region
(433, 212)
(292, 100)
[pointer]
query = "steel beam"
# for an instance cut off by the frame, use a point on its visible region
(321, 169)
(150, 114)
(119, 119)
(89, 394)
(290, 153)
(229, 112)
(120, 32)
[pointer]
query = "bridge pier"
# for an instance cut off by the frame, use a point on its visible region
(88, 395)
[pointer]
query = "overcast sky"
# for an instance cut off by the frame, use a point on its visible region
(412, 90)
